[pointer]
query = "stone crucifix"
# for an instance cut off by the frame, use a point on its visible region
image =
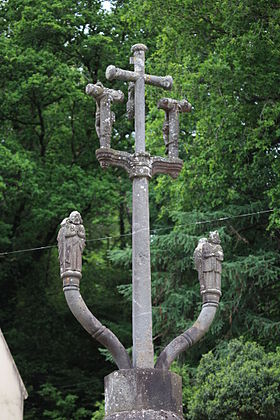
(143, 353)
(140, 389)
(141, 167)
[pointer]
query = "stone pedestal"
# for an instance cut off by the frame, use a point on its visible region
(146, 394)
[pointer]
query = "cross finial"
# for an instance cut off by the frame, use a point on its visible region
(139, 47)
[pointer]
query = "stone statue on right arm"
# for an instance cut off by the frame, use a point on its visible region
(208, 257)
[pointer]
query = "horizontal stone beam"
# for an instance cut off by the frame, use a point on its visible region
(98, 90)
(139, 164)
(168, 104)
(114, 73)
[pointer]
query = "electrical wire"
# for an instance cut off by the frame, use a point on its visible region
(153, 231)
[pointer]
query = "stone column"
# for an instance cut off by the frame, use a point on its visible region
(143, 352)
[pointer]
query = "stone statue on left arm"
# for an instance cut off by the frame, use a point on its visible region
(71, 243)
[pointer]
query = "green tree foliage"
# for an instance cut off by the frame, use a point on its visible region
(240, 381)
(100, 412)
(62, 408)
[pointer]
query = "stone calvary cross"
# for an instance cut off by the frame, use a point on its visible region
(139, 390)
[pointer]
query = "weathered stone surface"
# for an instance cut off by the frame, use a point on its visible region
(105, 117)
(208, 257)
(71, 243)
(143, 394)
(170, 129)
(145, 415)
(139, 164)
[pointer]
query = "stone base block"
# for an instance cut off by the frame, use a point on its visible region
(143, 394)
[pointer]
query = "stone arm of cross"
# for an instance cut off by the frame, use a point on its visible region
(115, 73)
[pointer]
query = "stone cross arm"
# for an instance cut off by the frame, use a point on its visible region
(98, 91)
(168, 104)
(114, 73)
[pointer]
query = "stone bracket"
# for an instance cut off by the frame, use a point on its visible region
(170, 166)
(139, 164)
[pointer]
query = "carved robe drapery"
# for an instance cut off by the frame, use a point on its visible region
(212, 257)
(71, 243)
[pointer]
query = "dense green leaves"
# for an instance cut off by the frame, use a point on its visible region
(240, 382)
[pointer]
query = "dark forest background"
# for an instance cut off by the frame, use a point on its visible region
(224, 57)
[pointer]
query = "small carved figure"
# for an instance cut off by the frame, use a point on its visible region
(170, 128)
(165, 132)
(208, 257)
(71, 243)
(198, 262)
(130, 107)
(212, 257)
(105, 117)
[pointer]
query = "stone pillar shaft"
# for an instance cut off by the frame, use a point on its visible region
(143, 354)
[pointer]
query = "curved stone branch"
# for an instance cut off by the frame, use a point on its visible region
(111, 157)
(91, 324)
(71, 242)
(208, 256)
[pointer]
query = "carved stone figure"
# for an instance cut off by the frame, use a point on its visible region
(170, 128)
(208, 257)
(71, 243)
(105, 117)
(130, 107)
(198, 262)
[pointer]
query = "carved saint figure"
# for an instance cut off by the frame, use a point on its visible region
(105, 117)
(170, 127)
(198, 262)
(208, 257)
(71, 243)
(130, 105)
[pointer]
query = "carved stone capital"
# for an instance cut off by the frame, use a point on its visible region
(97, 91)
(139, 164)
(139, 47)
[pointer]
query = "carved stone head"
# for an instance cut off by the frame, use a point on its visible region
(214, 237)
(75, 218)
